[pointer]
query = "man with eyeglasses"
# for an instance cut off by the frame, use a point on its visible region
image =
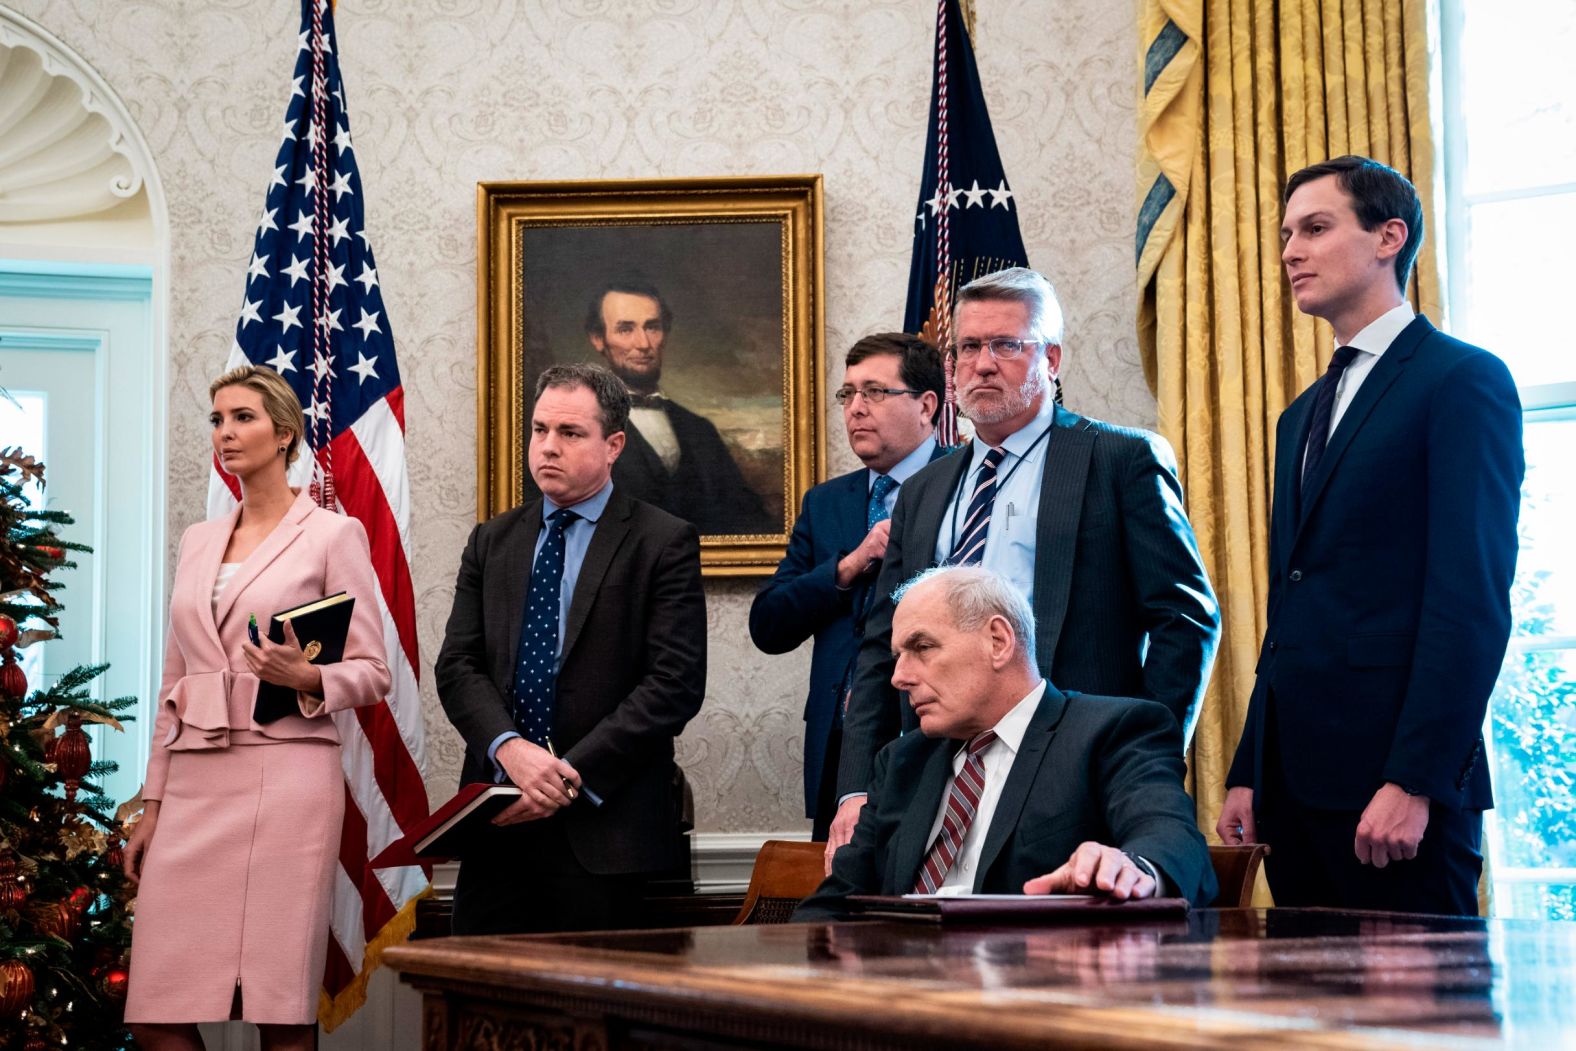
(1084, 517)
(891, 394)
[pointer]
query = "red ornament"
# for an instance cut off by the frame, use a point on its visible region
(8, 632)
(116, 979)
(54, 554)
(13, 680)
(79, 900)
(55, 918)
(72, 754)
(13, 891)
(114, 857)
(16, 988)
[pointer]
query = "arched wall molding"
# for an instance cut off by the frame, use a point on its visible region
(110, 128)
(68, 146)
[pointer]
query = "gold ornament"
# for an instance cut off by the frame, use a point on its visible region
(78, 837)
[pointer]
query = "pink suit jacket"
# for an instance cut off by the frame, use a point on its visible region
(206, 698)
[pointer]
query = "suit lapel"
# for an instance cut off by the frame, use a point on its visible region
(1025, 768)
(1385, 372)
(1067, 454)
(1288, 464)
(913, 834)
(207, 569)
(610, 532)
(272, 547)
(851, 505)
(929, 513)
(518, 554)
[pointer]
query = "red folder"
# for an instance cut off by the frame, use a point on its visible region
(441, 836)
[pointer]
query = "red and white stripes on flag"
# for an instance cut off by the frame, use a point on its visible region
(313, 311)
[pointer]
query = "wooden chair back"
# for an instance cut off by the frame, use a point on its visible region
(1235, 870)
(786, 872)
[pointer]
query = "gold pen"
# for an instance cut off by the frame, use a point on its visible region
(568, 786)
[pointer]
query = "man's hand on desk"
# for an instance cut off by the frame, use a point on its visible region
(1096, 869)
(546, 784)
(1391, 827)
(1236, 826)
(842, 829)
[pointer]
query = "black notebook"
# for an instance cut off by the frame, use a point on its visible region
(320, 627)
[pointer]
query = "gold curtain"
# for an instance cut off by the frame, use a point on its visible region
(1237, 95)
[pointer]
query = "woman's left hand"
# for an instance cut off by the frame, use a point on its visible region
(283, 663)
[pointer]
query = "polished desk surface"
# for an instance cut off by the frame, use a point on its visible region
(1219, 978)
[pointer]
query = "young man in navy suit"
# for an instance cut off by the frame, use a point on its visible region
(1392, 548)
(891, 394)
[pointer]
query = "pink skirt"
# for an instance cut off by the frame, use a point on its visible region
(236, 885)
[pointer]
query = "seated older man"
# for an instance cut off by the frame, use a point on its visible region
(1012, 785)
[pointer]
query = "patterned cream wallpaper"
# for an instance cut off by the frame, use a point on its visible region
(444, 93)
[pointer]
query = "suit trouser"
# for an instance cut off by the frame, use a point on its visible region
(1313, 858)
(826, 792)
(525, 879)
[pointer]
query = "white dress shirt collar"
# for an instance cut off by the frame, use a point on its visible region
(905, 468)
(1378, 334)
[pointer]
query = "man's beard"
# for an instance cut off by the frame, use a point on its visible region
(1013, 400)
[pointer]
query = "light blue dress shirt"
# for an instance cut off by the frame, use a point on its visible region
(577, 540)
(1014, 519)
(902, 471)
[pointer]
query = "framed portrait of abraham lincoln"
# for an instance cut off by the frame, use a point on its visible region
(704, 296)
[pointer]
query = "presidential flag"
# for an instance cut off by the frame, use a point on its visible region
(313, 311)
(967, 224)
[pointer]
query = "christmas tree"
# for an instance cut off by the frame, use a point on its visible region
(65, 906)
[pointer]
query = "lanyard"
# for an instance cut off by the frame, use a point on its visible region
(957, 488)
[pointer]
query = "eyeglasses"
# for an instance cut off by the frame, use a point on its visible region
(1002, 349)
(874, 395)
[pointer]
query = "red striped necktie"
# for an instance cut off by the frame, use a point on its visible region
(962, 803)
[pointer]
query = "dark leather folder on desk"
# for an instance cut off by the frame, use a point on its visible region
(978, 909)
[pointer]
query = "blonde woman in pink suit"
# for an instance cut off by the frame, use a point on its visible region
(236, 849)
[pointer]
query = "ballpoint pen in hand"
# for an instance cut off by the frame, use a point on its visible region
(568, 785)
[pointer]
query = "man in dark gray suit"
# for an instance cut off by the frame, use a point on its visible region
(1085, 518)
(1012, 786)
(578, 628)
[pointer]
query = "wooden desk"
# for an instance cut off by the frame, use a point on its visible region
(1239, 979)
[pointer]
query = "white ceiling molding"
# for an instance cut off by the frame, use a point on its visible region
(68, 148)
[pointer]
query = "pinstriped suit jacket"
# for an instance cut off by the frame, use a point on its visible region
(1121, 601)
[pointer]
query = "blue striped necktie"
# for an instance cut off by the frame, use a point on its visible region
(536, 660)
(976, 524)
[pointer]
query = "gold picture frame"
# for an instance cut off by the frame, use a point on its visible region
(738, 262)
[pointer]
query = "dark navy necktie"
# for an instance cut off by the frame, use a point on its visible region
(1324, 408)
(536, 661)
(976, 525)
(877, 510)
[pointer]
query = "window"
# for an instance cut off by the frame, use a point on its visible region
(22, 421)
(1509, 140)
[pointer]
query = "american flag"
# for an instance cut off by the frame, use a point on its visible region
(967, 224)
(313, 312)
